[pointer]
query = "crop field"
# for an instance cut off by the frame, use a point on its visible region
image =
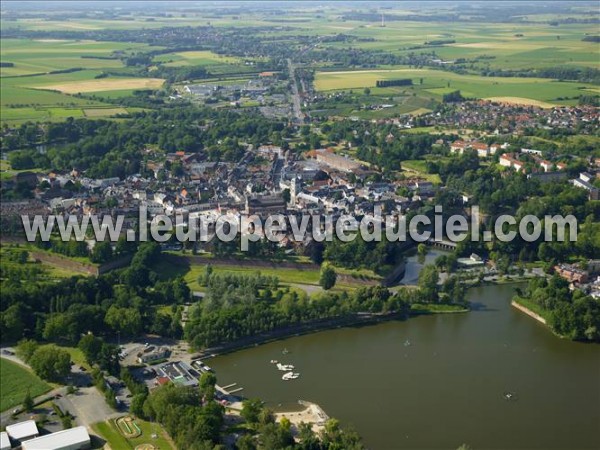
(42, 56)
(437, 83)
(195, 58)
(504, 46)
(104, 84)
(29, 91)
(15, 380)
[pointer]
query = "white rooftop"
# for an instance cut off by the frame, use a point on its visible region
(4, 441)
(61, 439)
(22, 430)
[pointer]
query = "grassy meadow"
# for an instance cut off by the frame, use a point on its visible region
(15, 380)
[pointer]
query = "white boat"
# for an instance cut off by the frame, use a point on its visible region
(285, 367)
(290, 376)
(274, 361)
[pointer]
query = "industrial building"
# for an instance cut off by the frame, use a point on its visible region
(72, 439)
(22, 431)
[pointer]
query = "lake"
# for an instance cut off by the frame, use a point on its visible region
(439, 381)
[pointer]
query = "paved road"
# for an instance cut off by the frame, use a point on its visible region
(297, 109)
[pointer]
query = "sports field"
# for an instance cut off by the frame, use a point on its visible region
(15, 380)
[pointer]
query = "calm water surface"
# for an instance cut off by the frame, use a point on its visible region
(445, 388)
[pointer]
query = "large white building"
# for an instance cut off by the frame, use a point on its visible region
(22, 431)
(72, 439)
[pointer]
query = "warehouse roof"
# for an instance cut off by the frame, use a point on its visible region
(61, 439)
(22, 430)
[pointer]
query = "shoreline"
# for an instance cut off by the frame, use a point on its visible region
(353, 320)
(529, 312)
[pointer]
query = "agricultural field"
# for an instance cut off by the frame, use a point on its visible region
(502, 46)
(104, 84)
(195, 58)
(15, 380)
(29, 91)
(46, 55)
(436, 83)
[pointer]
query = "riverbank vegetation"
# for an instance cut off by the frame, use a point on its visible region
(571, 314)
(238, 307)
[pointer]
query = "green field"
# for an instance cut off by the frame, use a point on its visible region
(43, 56)
(195, 58)
(307, 277)
(109, 431)
(29, 92)
(436, 83)
(15, 380)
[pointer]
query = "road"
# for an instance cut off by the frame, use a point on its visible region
(296, 104)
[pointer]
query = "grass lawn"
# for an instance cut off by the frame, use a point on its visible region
(419, 166)
(308, 276)
(109, 431)
(14, 382)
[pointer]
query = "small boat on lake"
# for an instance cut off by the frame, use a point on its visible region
(290, 376)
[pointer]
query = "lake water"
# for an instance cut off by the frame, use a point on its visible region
(444, 389)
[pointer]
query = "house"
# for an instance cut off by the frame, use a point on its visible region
(458, 147)
(22, 431)
(482, 149)
(71, 439)
(509, 160)
(584, 182)
(531, 151)
(546, 165)
(571, 273)
(154, 355)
